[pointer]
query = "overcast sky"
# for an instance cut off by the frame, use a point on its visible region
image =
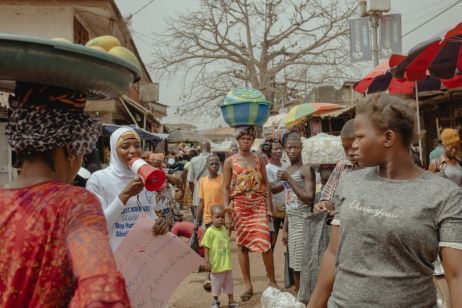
(151, 20)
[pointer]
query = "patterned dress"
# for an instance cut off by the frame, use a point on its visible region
(55, 249)
(250, 216)
(296, 209)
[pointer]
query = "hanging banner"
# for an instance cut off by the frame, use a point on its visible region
(390, 35)
(360, 43)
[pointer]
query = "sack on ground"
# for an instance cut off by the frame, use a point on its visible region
(316, 240)
(273, 298)
(194, 242)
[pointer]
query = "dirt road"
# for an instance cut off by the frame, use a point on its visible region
(191, 294)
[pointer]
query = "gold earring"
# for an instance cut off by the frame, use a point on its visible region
(71, 157)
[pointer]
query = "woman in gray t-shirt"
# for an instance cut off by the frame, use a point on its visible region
(393, 219)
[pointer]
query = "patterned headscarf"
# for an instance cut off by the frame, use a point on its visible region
(44, 118)
(245, 130)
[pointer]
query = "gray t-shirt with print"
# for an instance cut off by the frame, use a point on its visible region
(390, 231)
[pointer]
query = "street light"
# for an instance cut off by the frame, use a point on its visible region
(374, 9)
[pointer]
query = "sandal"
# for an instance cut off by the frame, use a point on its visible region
(207, 285)
(246, 296)
(234, 305)
(215, 304)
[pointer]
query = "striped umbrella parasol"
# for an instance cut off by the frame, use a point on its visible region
(300, 112)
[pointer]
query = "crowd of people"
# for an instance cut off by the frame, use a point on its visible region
(368, 238)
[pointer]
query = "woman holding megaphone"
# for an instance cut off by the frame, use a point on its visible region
(121, 192)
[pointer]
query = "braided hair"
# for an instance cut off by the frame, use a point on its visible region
(390, 113)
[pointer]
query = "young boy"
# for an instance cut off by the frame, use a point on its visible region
(211, 192)
(218, 257)
(325, 203)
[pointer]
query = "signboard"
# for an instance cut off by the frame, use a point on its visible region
(360, 43)
(153, 267)
(390, 35)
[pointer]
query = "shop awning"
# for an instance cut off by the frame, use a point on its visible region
(144, 134)
(336, 113)
(275, 120)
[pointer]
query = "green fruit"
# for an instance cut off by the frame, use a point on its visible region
(99, 48)
(126, 54)
(106, 41)
(61, 39)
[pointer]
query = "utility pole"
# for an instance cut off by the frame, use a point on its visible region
(374, 9)
(374, 19)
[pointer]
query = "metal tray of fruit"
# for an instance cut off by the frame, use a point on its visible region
(99, 74)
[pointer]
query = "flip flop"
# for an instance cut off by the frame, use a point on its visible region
(246, 296)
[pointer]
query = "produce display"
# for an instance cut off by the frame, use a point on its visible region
(322, 149)
(102, 69)
(107, 43)
(245, 106)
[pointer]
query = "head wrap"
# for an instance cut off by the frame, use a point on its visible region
(449, 136)
(245, 130)
(118, 167)
(126, 136)
(44, 118)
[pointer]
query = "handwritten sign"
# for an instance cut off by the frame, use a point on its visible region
(153, 267)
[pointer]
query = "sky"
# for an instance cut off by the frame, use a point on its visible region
(151, 20)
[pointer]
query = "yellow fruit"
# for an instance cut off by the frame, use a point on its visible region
(99, 48)
(124, 53)
(106, 41)
(61, 39)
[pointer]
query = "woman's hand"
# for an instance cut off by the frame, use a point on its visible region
(228, 220)
(133, 188)
(324, 206)
(285, 237)
(160, 227)
(283, 175)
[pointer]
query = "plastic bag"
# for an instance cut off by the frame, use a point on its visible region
(194, 242)
(273, 298)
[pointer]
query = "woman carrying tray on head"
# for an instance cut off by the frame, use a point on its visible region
(121, 193)
(249, 199)
(55, 249)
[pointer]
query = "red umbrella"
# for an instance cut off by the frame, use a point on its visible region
(441, 56)
(381, 79)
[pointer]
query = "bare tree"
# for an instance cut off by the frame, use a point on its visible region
(260, 43)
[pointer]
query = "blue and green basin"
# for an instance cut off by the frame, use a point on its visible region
(245, 106)
(246, 113)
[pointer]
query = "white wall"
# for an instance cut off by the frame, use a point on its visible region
(41, 21)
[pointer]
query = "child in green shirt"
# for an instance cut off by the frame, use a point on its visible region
(218, 257)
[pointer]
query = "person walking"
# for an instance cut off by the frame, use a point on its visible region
(121, 193)
(54, 250)
(300, 185)
(447, 163)
(279, 200)
(326, 200)
(392, 220)
(218, 257)
(249, 200)
(198, 169)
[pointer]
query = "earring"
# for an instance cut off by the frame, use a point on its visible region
(71, 157)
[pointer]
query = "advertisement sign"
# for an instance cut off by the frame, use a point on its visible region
(390, 35)
(360, 43)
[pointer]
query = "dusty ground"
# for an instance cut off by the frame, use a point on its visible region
(191, 294)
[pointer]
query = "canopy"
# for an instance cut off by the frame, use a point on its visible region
(178, 136)
(144, 134)
(300, 112)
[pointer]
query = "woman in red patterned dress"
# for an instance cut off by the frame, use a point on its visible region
(55, 249)
(249, 200)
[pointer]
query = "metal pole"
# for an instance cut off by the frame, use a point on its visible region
(418, 121)
(375, 37)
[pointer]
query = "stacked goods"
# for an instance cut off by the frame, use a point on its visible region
(102, 69)
(107, 43)
(245, 106)
(322, 149)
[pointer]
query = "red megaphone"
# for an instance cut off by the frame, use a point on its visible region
(152, 178)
